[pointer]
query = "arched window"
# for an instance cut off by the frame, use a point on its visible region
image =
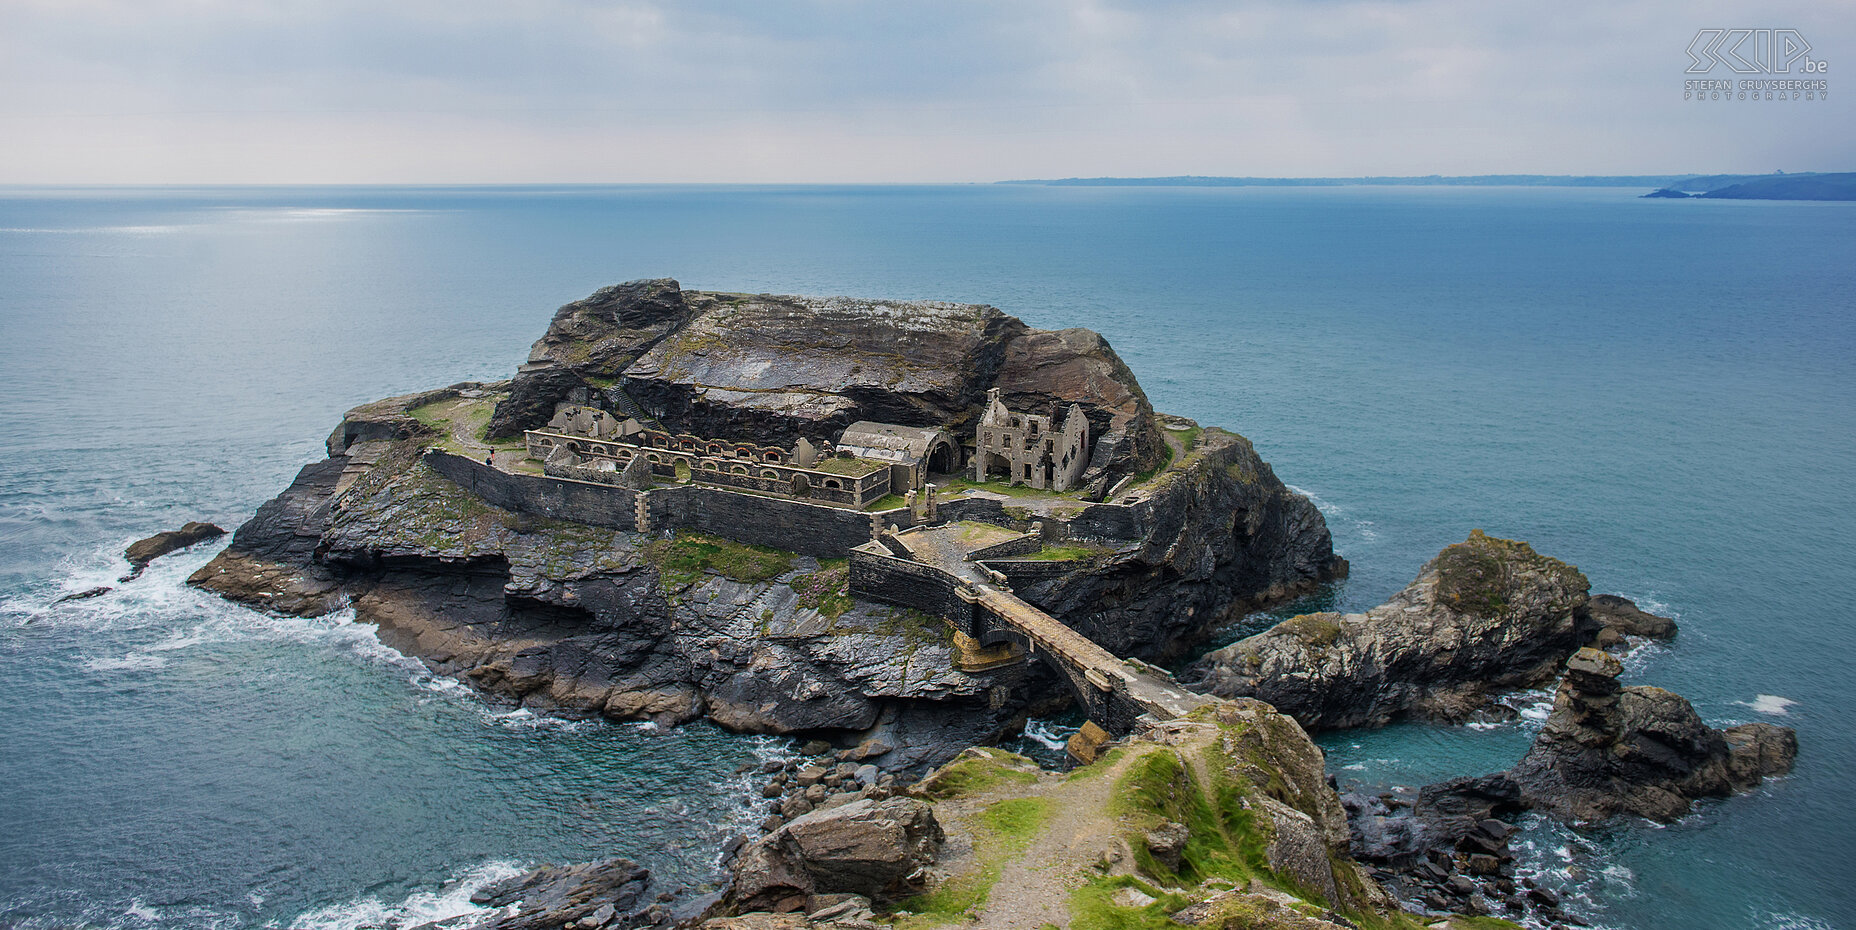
(738, 469)
(711, 466)
(773, 455)
(596, 449)
(834, 484)
(573, 447)
(770, 473)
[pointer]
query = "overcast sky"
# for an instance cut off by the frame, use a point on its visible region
(458, 91)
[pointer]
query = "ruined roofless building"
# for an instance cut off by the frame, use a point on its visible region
(1028, 449)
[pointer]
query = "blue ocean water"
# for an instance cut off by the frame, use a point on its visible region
(1661, 392)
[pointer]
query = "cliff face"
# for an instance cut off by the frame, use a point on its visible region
(778, 369)
(1225, 537)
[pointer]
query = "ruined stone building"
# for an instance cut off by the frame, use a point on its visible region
(914, 452)
(1026, 448)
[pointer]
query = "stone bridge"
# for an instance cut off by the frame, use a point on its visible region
(936, 569)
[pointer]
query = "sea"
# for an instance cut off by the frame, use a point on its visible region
(1662, 392)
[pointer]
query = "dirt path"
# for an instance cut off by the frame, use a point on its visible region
(1034, 886)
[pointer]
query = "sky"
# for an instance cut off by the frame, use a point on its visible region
(834, 91)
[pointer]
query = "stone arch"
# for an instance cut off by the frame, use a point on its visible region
(738, 469)
(801, 487)
(941, 458)
(834, 484)
(770, 473)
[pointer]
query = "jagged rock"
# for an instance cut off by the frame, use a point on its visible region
(143, 551)
(554, 897)
(1486, 615)
(1167, 842)
(1608, 749)
(1619, 619)
(865, 847)
(85, 594)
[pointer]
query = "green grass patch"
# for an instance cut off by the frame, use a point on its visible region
(1314, 629)
(1225, 840)
(688, 555)
(1018, 820)
(977, 770)
(1002, 831)
(1475, 576)
(850, 467)
(1063, 553)
(1093, 907)
(827, 590)
(887, 502)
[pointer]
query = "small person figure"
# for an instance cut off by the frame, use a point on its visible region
(490, 459)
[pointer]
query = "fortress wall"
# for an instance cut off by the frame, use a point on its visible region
(1031, 571)
(1022, 546)
(557, 498)
(796, 526)
(912, 584)
(1108, 521)
(973, 508)
(1095, 521)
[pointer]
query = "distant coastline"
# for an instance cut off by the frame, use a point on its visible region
(1776, 186)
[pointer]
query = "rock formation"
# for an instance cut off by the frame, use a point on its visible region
(566, 616)
(867, 847)
(143, 551)
(1485, 616)
(591, 894)
(779, 369)
(1606, 750)
(1609, 749)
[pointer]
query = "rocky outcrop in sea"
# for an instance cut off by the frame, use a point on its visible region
(1485, 617)
(1606, 750)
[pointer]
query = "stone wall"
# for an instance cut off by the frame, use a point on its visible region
(810, 529)
(1031, 571)
(879, 575)
(1024, 545)
(556, 498)
(1109, 522)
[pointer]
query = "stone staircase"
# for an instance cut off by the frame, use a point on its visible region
(624, 404)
